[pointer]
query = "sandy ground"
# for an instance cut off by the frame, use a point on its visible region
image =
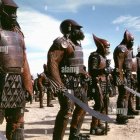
(39, 124)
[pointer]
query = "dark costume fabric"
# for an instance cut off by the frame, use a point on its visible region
(15, 77)
(97, 65)
(138, 79)
(65, 67)
(123, 55)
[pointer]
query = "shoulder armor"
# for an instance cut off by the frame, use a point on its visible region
(94, 54)
(61, 41)
(122, 48)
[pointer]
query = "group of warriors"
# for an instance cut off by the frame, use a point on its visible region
(41, 87)
(65, 73)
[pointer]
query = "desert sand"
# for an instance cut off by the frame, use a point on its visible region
(39, 123)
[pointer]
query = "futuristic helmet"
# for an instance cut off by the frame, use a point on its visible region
(128, 37)
(8, 3)
(67, 25)
(102, 45)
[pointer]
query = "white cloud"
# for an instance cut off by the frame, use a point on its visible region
(117, 28)
(39, 31)
(93, 7)
(71, 5)
(128, 22)
(46, 7)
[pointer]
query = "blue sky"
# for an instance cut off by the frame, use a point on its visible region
(40, 20)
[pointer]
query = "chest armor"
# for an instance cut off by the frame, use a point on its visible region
(128, 61)
(102, 63)
(134, 65)
(75, 59)
(11, 52)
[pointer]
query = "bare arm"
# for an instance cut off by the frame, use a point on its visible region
(54, 59)
(26, 76)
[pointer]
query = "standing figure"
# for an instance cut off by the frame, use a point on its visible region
(123, 55)
(138, 79)
(98, 70)
(15, 77)
(131, 109)
(35, 89)
(43, 86)
(66, 69)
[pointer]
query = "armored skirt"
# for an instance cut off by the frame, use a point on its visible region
(12, 94)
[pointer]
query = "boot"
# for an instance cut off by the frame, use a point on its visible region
(121, 119)
(49, 104)
(73, 135)
(102, 126)
(131, 110)
(95, 129)
(18, 134)
(26, 110)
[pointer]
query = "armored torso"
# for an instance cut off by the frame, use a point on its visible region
(134, 65)
(12, 94)
(122, 60)
(11, 52)
(73, 59)
(76, 59)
